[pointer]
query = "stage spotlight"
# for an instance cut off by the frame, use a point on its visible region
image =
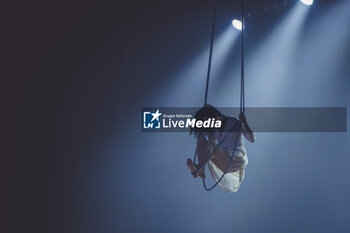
(237, 24)
(307, 2)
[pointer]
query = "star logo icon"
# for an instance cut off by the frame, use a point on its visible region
(156, 115)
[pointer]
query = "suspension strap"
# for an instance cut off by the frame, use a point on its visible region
(242, 99)
(210, 52)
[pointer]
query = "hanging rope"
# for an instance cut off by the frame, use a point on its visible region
(242, 100)
(210, 52)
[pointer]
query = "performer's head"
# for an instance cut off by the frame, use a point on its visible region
(206, 112)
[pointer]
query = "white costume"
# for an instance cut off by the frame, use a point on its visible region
(220, 159)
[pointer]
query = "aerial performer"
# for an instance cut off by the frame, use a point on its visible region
(222, 149)
(219, 145)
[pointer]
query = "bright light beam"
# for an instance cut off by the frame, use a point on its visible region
(323, 56)
(187, 87)
(268, 68)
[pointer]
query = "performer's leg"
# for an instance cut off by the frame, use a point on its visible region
(203, 151)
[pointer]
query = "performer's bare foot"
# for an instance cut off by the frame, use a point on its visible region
(191, 167)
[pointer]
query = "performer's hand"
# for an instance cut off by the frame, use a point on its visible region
(242, 117)
(245, 123)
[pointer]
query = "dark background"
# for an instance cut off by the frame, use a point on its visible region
(75, 160)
